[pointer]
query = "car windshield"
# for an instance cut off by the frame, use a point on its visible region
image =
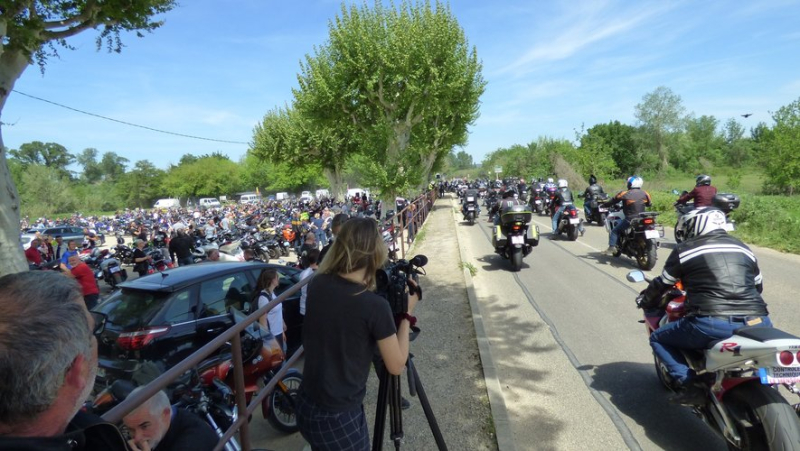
(132, 308)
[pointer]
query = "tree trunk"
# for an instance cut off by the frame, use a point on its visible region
(12, 259)
(334, 176)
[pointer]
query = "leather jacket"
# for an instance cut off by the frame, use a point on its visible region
(592, 191)
(85, 432)
(634, 201)
(703, 196)
(719, 273)
(563, 197)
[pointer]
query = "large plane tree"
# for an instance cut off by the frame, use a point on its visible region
(30, 32)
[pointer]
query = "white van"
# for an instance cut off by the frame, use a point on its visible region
(351, 193)
(167, 203)
(281, 196)
(249, 199)
(208, 202)
(323, 193)
(306, 195)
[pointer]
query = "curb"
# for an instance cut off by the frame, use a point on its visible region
(497, 404)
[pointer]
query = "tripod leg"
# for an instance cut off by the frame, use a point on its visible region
(426, 407)
(380, 409)
(395, 412)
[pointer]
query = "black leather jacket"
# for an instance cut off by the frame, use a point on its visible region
(563, 197)
(592, 191)
(720, 276)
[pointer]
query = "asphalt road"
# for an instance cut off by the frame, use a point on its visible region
(598, 390)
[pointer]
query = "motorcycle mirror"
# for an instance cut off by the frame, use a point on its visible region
(635, 276)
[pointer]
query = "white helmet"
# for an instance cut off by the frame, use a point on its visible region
(702, 221)
(635, 182)
(549, 179)
(562, 183)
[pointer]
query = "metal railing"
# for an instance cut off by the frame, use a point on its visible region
(423, 206)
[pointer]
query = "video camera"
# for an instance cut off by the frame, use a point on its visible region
(392, 281)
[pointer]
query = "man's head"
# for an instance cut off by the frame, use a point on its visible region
(213, 255)
(72, 245)
(311, 238)
(74, 260)
(337, 221)
(150, 421)
(59, 240)
(46, 338)
(35, 242)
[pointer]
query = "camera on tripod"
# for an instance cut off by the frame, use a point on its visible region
(391, 281)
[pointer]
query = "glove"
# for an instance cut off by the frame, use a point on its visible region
(640, 300)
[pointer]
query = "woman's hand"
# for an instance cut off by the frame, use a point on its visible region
(413, 295)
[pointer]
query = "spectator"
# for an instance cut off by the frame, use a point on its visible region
(309, 243)
(60, 247)
(273, 320)
(140, 259)
(310, 263)
(32, 253)
(318, 226)
(180, 249)
(46, 248)
(85, 277)
(336, 224)
(213, 255)
(210, 231)
(155, 425)
(72, 249)
(49, 360)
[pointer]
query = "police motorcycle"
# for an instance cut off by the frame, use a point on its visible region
(740, 376)
(687, 213)
(470, 206)
(640, 240)
(514, 237)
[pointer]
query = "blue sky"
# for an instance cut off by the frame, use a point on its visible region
(217, 66)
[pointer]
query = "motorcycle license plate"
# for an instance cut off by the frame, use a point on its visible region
(779, 375)
(538, 201)
(517, 239)
(471, 208)
(650, 234)
(574, 220)
(728, 227)
(602, 209)
(113, 269)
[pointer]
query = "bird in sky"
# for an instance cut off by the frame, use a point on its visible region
(747, 115)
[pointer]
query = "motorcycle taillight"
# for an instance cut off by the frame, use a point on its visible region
(648, 221)
(133, 341)
(573, 212)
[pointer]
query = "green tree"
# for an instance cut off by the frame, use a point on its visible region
(112, 166)
(701, 145)
(397, 75)
(45, 191)
(737, 150)
(782, 157)
(52, 155)
(209, 176)
(462, 160)
(92, 173)
(30, 30)
(660, 116)
(141, 186)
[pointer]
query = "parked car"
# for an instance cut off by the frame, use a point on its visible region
(69, 233)
(306, 195)
(167, 203)
(249, 199)
(25, 239)
(164, 317)
(208, 202)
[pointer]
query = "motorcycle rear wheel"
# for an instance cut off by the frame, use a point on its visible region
(281, 412)
(646, 258)
(572, 233)
(772, 422)
(516, 259)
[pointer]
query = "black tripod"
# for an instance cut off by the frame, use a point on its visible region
(389, 396)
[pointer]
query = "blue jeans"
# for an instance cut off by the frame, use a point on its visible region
(557, 216)
(692, 333)
(613, 237)
(587, 209)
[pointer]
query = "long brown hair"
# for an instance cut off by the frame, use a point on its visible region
(265, 279)
(358, 245)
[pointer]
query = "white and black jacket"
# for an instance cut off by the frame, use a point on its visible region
(720, 276)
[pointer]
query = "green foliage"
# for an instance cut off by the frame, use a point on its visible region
(44, 190)
(52, 155)
(700, 146)
(209, 176)
(734, 180)
(770, 221)
(782, 156)
(141, 186)
(660, 115)
(91, 168)
(461, 160)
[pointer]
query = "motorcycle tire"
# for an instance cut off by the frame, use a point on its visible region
(516, 259)
(572, 233)
(646, 258)
(471, 218)
(663, 373)
(263, 256)
(763, 418)
(274, 252)
(280, 405)
(602, 221)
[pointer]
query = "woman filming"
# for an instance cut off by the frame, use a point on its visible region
(344, 320)
(273, 320)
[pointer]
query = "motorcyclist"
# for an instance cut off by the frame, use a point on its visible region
(473, 193)
(723, 283)
(505, 204)
(592, 192)
(703, 193)
(563, 198)
(634, 201)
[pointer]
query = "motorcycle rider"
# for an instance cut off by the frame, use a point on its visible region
(634, 200)
(723, 287)
(504, 205)
(471, 192)
(703, 193)
(563, 198)
(592, 192)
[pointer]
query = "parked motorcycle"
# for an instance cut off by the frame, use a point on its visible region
(686, 212)
(640, 240)
(514, 238)
(569, 222)
(113, 273)
(740, 375)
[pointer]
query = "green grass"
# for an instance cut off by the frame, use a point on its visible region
(469, 266)
(420, 237)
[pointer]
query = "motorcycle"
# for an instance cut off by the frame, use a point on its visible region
(538, 201)
(470, 209)
(724, 201)
(740, 376)
(113, 273)
(514, 238)
(640, 240)
(598, 212)
(569, 222)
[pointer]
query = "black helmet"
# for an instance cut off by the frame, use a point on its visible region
(592, 179)
(509, 193)
(703, 179)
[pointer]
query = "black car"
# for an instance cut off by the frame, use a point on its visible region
(68, 233)
(164, 317)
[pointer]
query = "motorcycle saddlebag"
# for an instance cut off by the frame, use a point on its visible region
(499, 240)
(726, 202)
(516, 213)
(532, 236)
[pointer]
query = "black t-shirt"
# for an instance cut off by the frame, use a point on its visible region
(187, 432)
(342, 324)
(142, 265)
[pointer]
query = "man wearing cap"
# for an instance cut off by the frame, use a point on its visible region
(336, 224)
